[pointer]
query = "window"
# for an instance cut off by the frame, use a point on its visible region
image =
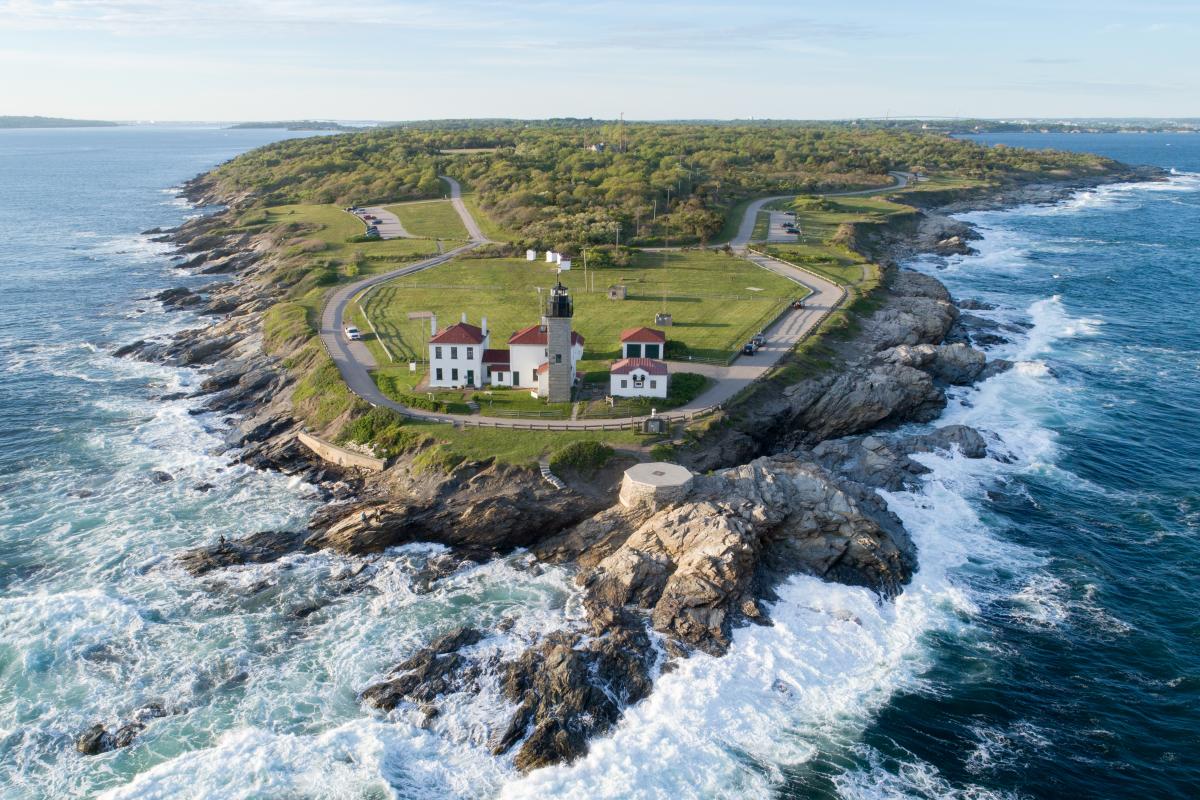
(454, 352)
(437, 352)
(454, 375)
(558, 358)
(470, 354)
(437, 374)
(633, 350)
(624, 384)
(652, 351)
(653, 384)
(533, 375)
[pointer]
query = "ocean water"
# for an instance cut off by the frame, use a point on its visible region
(1047, 647)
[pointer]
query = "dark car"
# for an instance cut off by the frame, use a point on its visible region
(750, 349)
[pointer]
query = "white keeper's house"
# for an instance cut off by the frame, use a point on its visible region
(541, 358)
(640, 372)
(456, 354)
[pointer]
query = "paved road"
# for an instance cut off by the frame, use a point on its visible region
(456, 200)
(746, 229)
(354, 360)
(389, 224)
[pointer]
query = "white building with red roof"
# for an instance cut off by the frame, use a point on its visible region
(643, 342)
(456, 354)
(638, 377)
(528, 351)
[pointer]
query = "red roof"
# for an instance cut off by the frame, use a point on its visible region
(458, 333)
(628, 365)
(543, 367)
(495, 357)
(643, 334)
(535, 334)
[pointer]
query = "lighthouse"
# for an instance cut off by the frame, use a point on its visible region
(560, 365)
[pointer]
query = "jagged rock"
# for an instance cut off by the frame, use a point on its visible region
(569, 693)
(693, 565)
(257, 548)
(485, 507)
(918, 311)
(432, 671)
(98, 739)
(957, 363)
(158, 476)
(972, 304)
(94, 740)
(861, 398)
(995, 367)
(884, 463)
(180, 297)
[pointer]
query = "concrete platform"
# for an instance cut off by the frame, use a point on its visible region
(656, 483)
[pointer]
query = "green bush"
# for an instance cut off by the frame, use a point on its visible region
(684, 387)
(663, 452)
(437, 459)
(585, 456)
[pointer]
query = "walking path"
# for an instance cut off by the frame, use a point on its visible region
(354, 360)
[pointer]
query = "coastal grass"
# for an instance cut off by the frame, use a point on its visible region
(521, 447)
(717, 301)
(430, 219)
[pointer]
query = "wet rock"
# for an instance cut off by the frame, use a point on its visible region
(257, 548)
(203, 487)
(568, 693)
(94, 740)
(158, 476)
(179, 297)
(995, 367)
(432, 671)
(972, 304)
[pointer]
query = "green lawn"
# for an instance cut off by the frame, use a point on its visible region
(430, 219)
(517, 446)
(717, 301)
(331, 226)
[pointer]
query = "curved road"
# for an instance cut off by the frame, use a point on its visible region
(354, 360)
(746, 230)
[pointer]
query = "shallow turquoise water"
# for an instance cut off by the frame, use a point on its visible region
(1048, 646)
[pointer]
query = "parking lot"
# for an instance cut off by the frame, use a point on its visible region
(777, 233)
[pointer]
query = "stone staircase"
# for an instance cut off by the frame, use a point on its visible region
(549, 477)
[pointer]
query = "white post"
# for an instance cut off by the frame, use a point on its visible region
(433, 324)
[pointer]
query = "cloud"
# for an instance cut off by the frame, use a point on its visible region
(1051, 60)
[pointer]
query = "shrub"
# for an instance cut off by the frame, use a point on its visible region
(663, 452)
(384, 430)
(684, 387)
(436, 459)
(585, 456)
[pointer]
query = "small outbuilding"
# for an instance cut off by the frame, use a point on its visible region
(617, 291)
(638, 377)
(643, 342)
(531, 255)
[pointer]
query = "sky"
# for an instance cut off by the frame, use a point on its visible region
(224, 60)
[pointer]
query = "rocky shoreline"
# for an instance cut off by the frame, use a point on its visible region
(787, 486)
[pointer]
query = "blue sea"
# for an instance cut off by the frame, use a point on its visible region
(1048, 647)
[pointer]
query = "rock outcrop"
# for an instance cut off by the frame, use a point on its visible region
(699, 566)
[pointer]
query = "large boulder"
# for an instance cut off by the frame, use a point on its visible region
(958, 363)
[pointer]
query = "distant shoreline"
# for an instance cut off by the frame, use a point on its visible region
(53, 122)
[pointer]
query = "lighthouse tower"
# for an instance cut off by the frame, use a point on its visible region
(560, 365)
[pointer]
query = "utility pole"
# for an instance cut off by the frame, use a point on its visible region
(618, 239)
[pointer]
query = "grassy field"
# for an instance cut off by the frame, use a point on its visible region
(518, 447)
(430, 219)
(717, 301)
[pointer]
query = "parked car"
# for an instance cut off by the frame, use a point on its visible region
(759, 339)
(352, 333)
(797, 304)
(750, 349)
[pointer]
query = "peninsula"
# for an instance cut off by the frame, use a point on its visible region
(670, 356)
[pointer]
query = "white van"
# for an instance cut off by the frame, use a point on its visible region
(352, 333)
